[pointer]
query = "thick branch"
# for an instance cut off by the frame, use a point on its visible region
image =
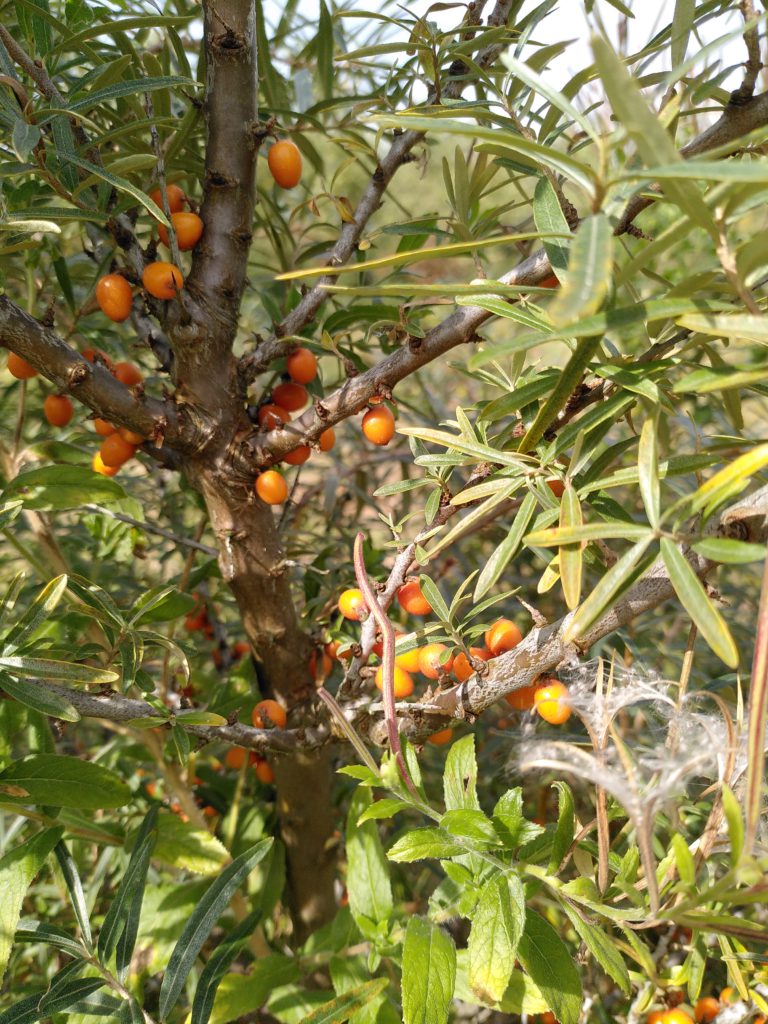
(92, 384)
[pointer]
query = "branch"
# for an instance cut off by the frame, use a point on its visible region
(753, 64)
(369, 203)
(543, 649)
(93, 384)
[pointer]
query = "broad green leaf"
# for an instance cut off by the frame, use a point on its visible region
(201, 922)
(601, 597)
(727, 551)
(545, 957)
(693, 598)
(429, 973)
(549, 218)
(18, 867)
(557, 535)
(37, 613)
(571, 555)
(602, 948)
(510, 822)
(39, 698)
(61, 781)
(342, 1007)
(507, 550)
(648, 470)
(368, 885)
(425, 843)
(521, 995)
(497, 927)
(470, 824)
(56, 488)
(563, 837)
(381, 809)
(460, 776)
(590, 263)
(643, 127)
(217, 965)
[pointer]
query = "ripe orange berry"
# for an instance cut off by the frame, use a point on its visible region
(409, 660)
(290, 396)
(115, 451)
(235, 758)
(332, 649)
(522, 699)
(548, 1017)
(556, 486)
(188, 228)
(20, 368)
(326, 665)
(439, 739)
(677, 1016)
(352, 603)
(163, 280)
(269, 709)
(551, 702)
(302, 366)
(410, 598)
(502, 636)
(130, 436)
(379, 425)
(550, 282)
(284, 161)
(271, 416)
(656, 1017)
(727, 995)
(403, 684)
(196, 620)
(100, 467)
(103, 428)
(58, 410)
(430, 662)
(298, 456)
(241, 649)
(115, 297)
(706, 1009)
(176, 198)
(128, 374)
(91, 353)
(462, 667)
(271, 487)
(327, 439)
(264, 771)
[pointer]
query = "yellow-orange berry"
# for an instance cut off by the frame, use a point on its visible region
(263, 770)
(188, 229)
(290, 396)
(552, 704)
(462, 667)
(20, 368)
(431, 661)
(269, 710)
(439, 739)
(101, 468)
(706, 1009)
(115, 297)
(410, 598)
(163, 280)
(176, 198)
(284, 160)
(379, 425)
(502, 636)
(403, 684)
(327, 439)
(115, 451)
(352, 603)
(127, 373)
(302, 366)
(271, 487)
(522, 699)
(58, 410)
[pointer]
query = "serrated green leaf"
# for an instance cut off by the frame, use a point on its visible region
(425, 843)
(381, 809)
(546, 958)
(342, 1007)
(497, 927)
(61, 781)
(460, 776)
(470, 824)
(429, 973)
(368, 884)
(602, 948)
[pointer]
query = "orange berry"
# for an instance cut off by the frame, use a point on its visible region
(522, 699)
(163, 280)
(241, 649)
(379, 425)
(235, 758)
(264, 771)
(100, 467)
(115, 451)
(269, 709)
(502, 636)
(298, 456)
(103, 428)
(462, 667)
(409, 660)
(410, 598)
(352, 603)
(439, 739)
(176, 198)
(431, 663)
(115, 297)
(290, 396)
(91, 353)
(271, 416)
(706, 1009)
(284, 161)
(677, 1016)
(326, 665)
(188, 228)
(130, 436)
(403, 684)
(271, 487)
(58, 410)
(549, 282)
(327, 439)
(656, 1017)
(727, 995)
(332, 649)
(551, 702)
(548, 1017)
(302, 366)
(196, 620)
(556, 486)
(20, 368)
(128, 374)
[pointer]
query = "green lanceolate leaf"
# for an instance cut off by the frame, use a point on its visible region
(497, 927)
(549, 217)
(429, 973)
(36, 614)
(58, 671)
(17, 869)
(460, 776)
(571, 555)
(507, 550)
(368, 885)
(545, 957)
(60, 781)
(74, 886)
(589, 272)
(218, 964)
(602, 948)
(202, 920)
(648, 471)
(693, 598)
(344, 1006)
(122, 918)
(39, 698)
